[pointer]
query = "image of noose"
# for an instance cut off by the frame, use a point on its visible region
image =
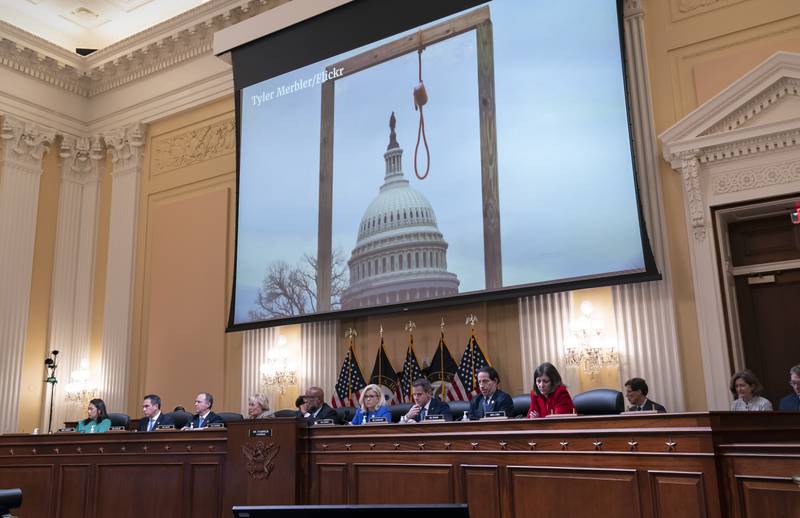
(420, 98)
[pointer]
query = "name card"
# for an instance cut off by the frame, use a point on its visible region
(261, 432)
(117, 428)
(500, 414)
(324, 422)
(434, 417)
(68, 429)
(216, 425)
(378, 420)
(165, 427)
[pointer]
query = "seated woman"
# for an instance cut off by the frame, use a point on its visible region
(98, 420)
(258, 407)
(745, 387)
(372, 404)
(549, 396)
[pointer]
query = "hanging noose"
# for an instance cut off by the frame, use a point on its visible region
(420, 98)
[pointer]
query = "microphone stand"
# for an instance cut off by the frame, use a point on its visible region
(51, 365)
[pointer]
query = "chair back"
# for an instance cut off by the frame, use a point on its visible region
(230, 417)
(599, 402)
(346, 413)
(457, 408)
(180, 418)
(522, 403)
(118, 419)
(399, 410)
(287, 412)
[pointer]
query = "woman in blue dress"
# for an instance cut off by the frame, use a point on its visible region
(372, 404)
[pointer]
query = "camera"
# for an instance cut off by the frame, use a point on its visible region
(9, 499)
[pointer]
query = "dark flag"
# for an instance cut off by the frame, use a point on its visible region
(411, 372)
(442, 369)
(350, 382)
(465, 384)
(383, 373)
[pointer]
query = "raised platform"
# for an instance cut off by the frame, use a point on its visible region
(700, 464)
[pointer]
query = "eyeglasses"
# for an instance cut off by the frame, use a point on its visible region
(794, 383)
(370, 396)
(484, 382)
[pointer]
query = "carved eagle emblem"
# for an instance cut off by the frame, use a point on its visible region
(260, 459)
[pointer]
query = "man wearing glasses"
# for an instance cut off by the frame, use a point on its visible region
(791, 403)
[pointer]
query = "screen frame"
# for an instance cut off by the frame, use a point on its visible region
(327, 43)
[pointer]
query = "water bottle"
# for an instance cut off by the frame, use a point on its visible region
(91, 428)
(465, 417)
(364, 419)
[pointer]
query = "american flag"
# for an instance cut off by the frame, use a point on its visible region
(350, 382)
(411, 372)
(465, 382)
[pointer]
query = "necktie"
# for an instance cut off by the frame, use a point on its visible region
(152, 425)
(422, 414)
(200, 422)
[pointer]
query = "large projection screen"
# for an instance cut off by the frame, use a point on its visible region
(402, 155)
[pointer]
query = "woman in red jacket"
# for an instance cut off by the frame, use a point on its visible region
(549, 396)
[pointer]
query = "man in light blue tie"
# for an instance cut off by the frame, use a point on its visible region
(153, 417)
(204, 416)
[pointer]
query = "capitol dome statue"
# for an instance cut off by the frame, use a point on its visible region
(400, 255)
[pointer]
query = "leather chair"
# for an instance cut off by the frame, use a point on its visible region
(118, 419)
(346, 413)
(399, 410)
(599, 402)
(522, 403)
(230, 417)
(180, 418)
(287, 412)
(457, 408)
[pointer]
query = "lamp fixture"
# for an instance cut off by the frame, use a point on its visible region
(81, 387)
(280, 369)
(587, 353)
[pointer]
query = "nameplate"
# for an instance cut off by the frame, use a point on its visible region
(562, 415)
(378, 420)
(500, 414)
(639, 412)
(261, 432)
(216, 425)
(324, 422)
(68, 429)
(117, 428)
(165, 427)
(434, 417)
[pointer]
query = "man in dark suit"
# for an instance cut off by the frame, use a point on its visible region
(791, 403)
(204, 416)
(425, 404)
(491, 398)
(636, 393)
(317, 409)
(153, 417)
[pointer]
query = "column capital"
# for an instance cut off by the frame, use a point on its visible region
(81, 158)
(25, 143)
(126, 145)
(632, 8)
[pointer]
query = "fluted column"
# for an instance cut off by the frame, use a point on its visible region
(256, 345)
(73, 266)
(24, 145)
(645, 312)
(318, 361)
(126, 148)
(544, 325)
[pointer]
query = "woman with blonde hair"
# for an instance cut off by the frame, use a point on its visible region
(258, 407)
(372, 404)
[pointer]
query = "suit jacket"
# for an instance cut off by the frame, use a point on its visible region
(500, 401)
(210, 418)
(648, 407)
(162, 419)
(790, 403)
(325, 412)
(437, 407)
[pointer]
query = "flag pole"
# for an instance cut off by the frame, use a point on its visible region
(441, 363)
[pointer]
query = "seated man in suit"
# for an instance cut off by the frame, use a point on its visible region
(316, 408)
(153, 418)
(791, 403)
(425, 404)
(204, 416)
(636, 392)
(491, 398)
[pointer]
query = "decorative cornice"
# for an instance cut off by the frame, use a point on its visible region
(747, 179)
(81, 158)
(180, 39)
(25, 142)
(750, 146)
(126, 147)
(194, 146)
(690, 170)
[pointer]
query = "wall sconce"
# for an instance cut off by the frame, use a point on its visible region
(81, 387)
(280, 369)
(586, 355)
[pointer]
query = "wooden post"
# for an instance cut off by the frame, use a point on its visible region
(492, 262)
(325, 211)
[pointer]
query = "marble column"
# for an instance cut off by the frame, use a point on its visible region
(126, 148)
(24, 145)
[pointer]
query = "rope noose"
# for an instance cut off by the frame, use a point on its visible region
(420, 98)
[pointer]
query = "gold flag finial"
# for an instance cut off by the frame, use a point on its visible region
(351, 333)
(380, 330)
(472, 320)
(410, 326)
(441, 326)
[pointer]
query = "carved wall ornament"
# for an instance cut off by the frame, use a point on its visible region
(694, 195)
(632, 8)
(26, 141)
(81, 157)
(194, 146)
(260, 459)
(773, 174)
(125, 145)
